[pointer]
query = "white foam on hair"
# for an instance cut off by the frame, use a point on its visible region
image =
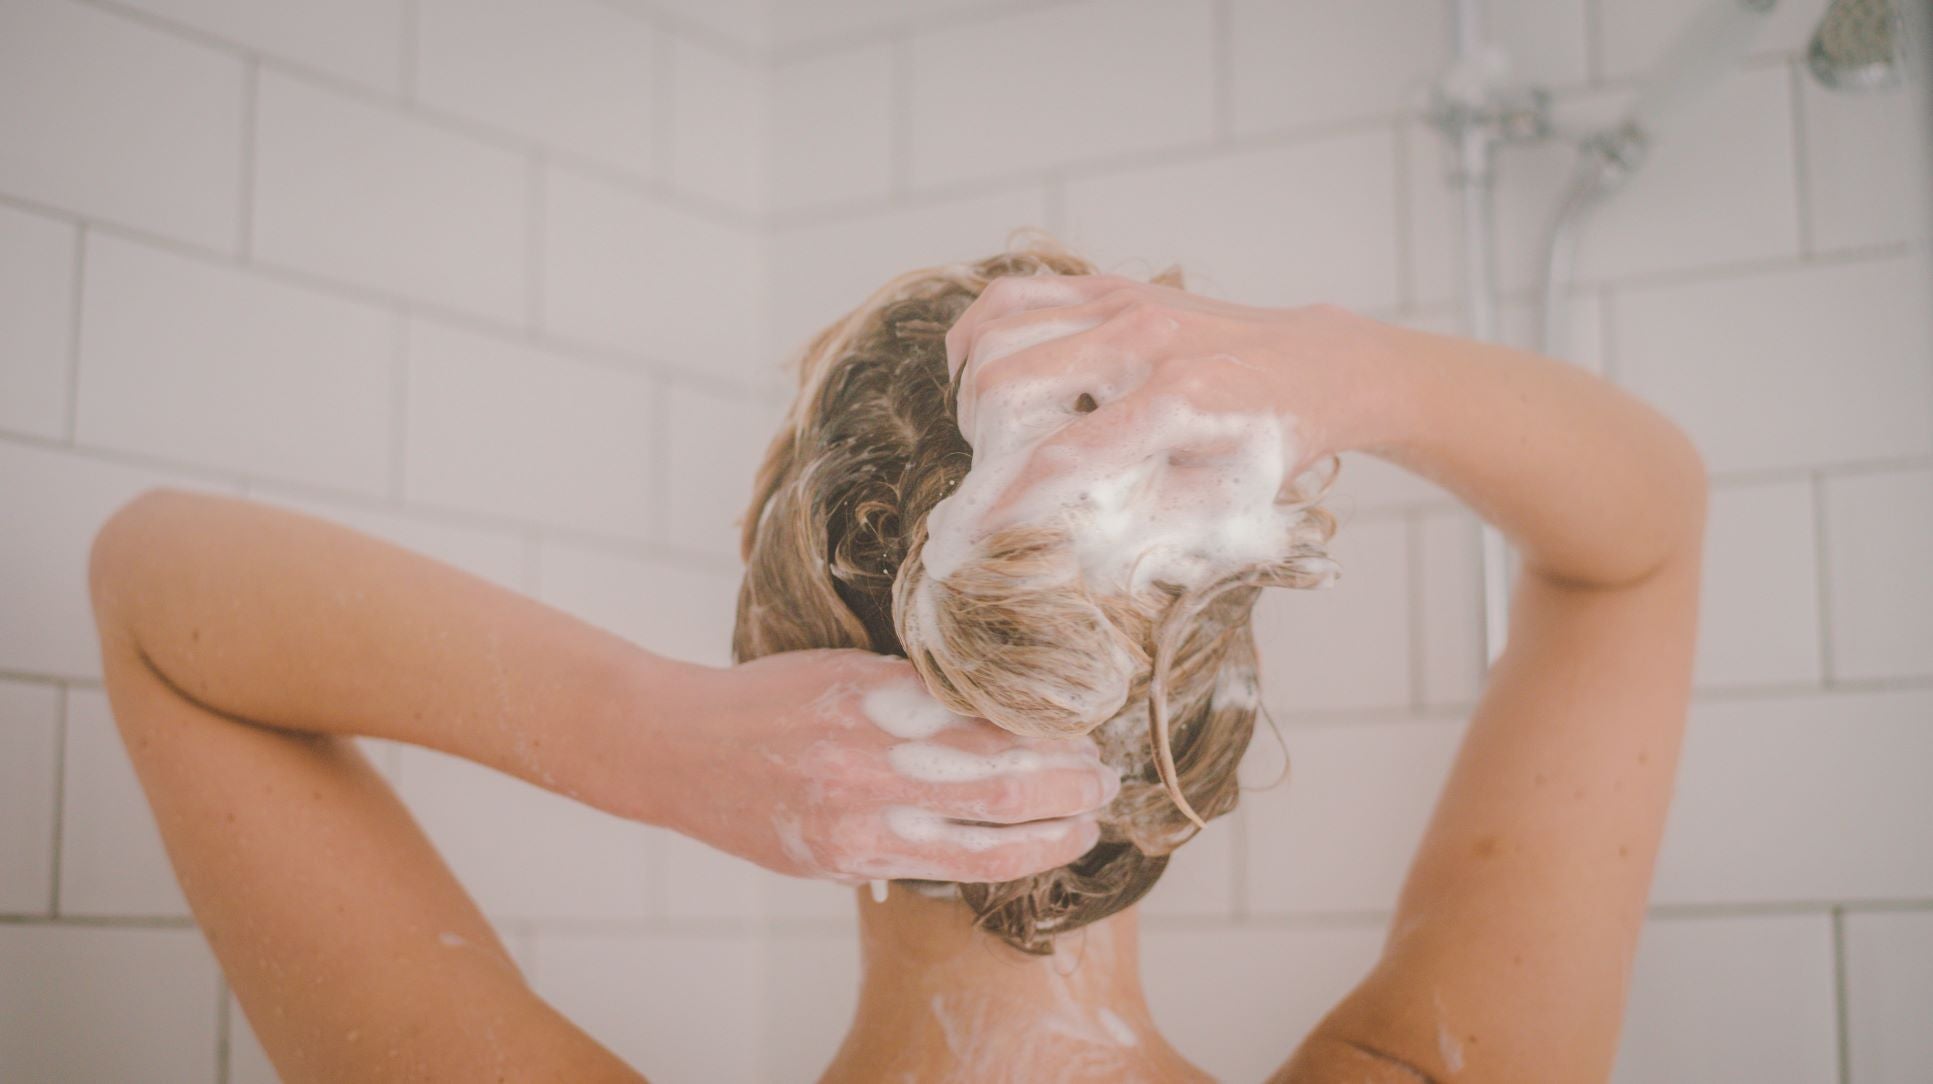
(1185, 496)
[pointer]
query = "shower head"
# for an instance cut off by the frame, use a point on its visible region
(1857, 45)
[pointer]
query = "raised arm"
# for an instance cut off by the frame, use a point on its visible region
(1512, 943)
(1511, 947)
(243, 644)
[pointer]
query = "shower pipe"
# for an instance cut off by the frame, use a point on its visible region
(1478, 111)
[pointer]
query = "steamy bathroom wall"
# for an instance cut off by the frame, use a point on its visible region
(508, 282)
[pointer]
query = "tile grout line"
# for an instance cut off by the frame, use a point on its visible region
(1405, 222)
(622, 359)
(536, 196)
(399, 407)
(664, 90)
(60, 797)
(245, 184)
(77, 298)
(629, 547)
(223, 1027)
(1802, 190)
(1221, 125)
(899, 132)
(1418, 605)
(408, 45)
(1822, 575)
(1841, 1010)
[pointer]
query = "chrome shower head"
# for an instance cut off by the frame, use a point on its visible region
(1857, 45)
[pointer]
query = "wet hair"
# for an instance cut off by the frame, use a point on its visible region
(1164, 679)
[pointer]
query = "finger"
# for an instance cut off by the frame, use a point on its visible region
(1018, 293)
(1019, 798)
(1046, 360)
(911, 843)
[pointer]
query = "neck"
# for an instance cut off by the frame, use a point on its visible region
(941, 1000)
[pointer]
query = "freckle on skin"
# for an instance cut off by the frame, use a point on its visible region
(1539, 780)
(1486, 847)
(1644, 758)
(1623, 851)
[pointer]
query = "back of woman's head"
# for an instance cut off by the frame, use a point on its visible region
(1014, 634)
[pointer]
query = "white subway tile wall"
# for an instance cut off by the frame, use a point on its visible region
(37, 258)
(509, 283)
(572, 75)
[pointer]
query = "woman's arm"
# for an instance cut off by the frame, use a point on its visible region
(1513, 939)
(242, 644)
(1512, 942)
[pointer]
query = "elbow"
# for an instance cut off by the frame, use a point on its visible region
(113, 558)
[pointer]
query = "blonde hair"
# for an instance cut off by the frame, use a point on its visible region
(1164, 679)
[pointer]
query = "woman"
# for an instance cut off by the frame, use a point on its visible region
(243, 644)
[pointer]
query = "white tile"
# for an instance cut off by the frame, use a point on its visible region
(497, 556)
(358, 40)
(1346, 645)
(797, 899)
(1281, 226)
(571, 74)
(822, 272)
(832, 128)
(523, 852)
(1366, 483)
(1634, 34)
(28, 755)
(811, 991)
(1864, 179)
(1579, 335)
(1718, 188)
(1877, 530)
(111, 858)
(1544, 42)
(1737, 998)
(95, 1003)
(1450, 601)
(1758, 617)
(36, 318)
(353, 191)
(193, 361)
(55, 502)
(715, 446)
(718, 126)
(1889, 995)
(1802, 798)
(1238, 1001)
(1297, 64)
(1339, 833)
(703, 883)
(507, 429)
(676, 610)
(110, 119)
(794, 24)
(1738, 363)
(745, 22)
(1200, 879)
(609, 281)
(672, 1005)
(991, 98)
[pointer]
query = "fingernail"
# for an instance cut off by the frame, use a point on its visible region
(1110, 785)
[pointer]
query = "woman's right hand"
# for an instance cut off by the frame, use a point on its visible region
(837, 764)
